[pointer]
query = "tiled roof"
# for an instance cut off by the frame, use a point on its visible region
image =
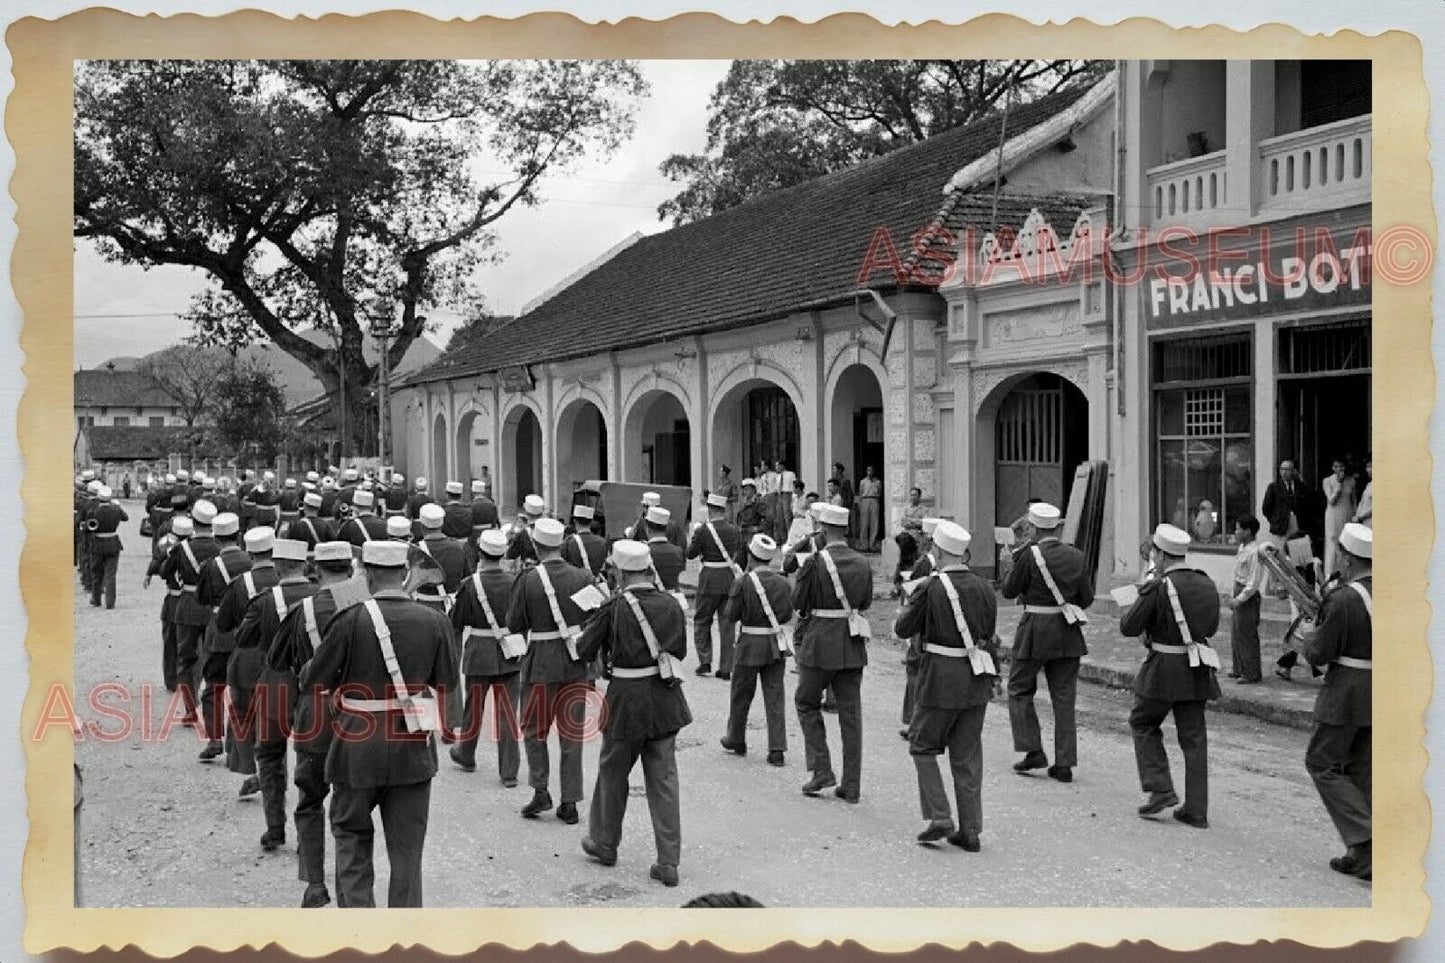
(761, 260)
(140, 443)
(119, 389)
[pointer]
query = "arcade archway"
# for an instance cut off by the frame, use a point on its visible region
(469, 435)
(581, 446)
(439, 451)
(658, 440)
(522, 448)
(856, 439)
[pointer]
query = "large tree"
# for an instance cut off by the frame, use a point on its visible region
(776, 123)
(329, 194)
(251, 423)
(190, 375)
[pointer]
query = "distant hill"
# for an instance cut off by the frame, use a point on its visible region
(295, 379)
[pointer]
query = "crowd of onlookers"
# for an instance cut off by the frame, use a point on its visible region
(776, 502)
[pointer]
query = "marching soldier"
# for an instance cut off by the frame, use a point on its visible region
(398, 529)
(184, 567)
(1054, 583)
(760, 604)
(288, 503)
(104, 527)
(173, 531)
(364, 526)
(1176, 613)
(668, 560)
(640, 633)
(418, 498)
(1338, 759)
(346, 494)
(159, 507)
(521, 547)
(554, 676)
(478, 619)
(296, 642)
(385, 658)
(752, 514)
(229, 563)
(921, 569)
(240, 668)
(87, 544)
(445, 551)
(395, 499)
(583, 548)
(329, 496)
(716, 542)
(272, 692)
(458, 514)
(225, 499)
(833, 589)
(484, 510)
(311, 528)
(953, 613)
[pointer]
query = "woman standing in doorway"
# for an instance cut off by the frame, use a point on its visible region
(1339, 489)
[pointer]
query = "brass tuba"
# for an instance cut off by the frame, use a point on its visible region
(1284, 575)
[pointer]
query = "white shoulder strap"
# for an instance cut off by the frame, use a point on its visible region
(1197, 653)
(486, 603)
(857, 624)
(978, 659)
(785, 638)
(582, 553)
(249, 581)
(226, 575)
(278, 599)
(568, 631)
(1072, 613)
(308, 614)
(388, 656)
(663, 659)
(191, 558)
(1364, 595)
(722, 549)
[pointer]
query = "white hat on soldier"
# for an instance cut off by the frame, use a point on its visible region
(397, 478)
(763, 547)
(208, 483)
(493, 542)
(363, 498)
(951, 537)
(835, 515)
(651, 498)
(548, 532)
(1043, 515)
(260, 539)
(182, 526)
(477, 486)
(289, 549)
(384, 554)
(398, 527)
(269, 475)
(182, 475)
(432, 515)
(1171, 540)
(815, 510)
(657, 515)
(930, 525)
(203, 512)
(311, 500)
(747, 482)
(631, 556)
(350, 474)
(93, 486)
(534, 505)
(714, 500)
(1358, 540)
(104, 491)
(313, 477)
(226, 523)
(333, 551)
(420, 483)
(290, 483)
(89, 473)
(454, 488)
(170, 479)
(584, 511)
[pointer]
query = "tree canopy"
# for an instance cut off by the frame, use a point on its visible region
(329, 194)
(776, 123)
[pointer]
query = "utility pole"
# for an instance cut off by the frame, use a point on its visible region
(382, 331)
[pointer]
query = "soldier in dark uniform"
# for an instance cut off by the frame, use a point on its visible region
(288, 503)
(241, 667)
(173, 531)
(479, 621)
(311, 528)
(158, 508)
(225, 499)
(668, 561)
(383, 755)
(1339, 755)
(417, 499)
(245, 509)
(717, 543)
(760, 604)
(832, 650)
(364, 526)
(640, 633)
(752, 516)
(87, 554)
(346, 494)
(584, 548)
(458, 514)
(484, 510)
(445, 550)
(1054, 583)
(104, 528)
(296, 642)
(229, 563)
(184, 567)
(914, 654)
(329, 494)
(394, 498)
(521, 547)
(554, 677)
(267, 500)
(954, 613)
(1176, 676)
(271, 692)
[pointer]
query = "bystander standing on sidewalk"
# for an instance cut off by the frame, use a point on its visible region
(1245, 603)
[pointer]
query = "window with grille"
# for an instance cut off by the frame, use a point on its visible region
(1341, 347)
(772, 428)
(1028, 427)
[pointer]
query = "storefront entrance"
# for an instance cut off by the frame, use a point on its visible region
(1324, 396)
(1041, 435)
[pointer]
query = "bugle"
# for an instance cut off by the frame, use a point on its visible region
(1284, 575)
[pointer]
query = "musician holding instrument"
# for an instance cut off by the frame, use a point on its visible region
(1338, 758)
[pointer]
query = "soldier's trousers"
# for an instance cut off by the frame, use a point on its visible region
(188, 669)
(102, 579)
(1339, 762)
(270, 752)
(745, 681)
(910, 683)
(1244, 637)
(1145, 720)
(241, 729)
(564, 703)
(659, 776)
(808, 698)
(404, 812)
(960, 733)
(709, 627)
(311, 790)
(213, 695)
(1062, 676)
(169, 654)
(506, 704)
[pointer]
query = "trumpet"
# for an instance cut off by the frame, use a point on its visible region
(1285, 575)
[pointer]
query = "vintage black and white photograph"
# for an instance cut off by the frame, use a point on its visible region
(726, 483)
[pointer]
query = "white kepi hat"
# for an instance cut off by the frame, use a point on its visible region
(657, 515)
(534, 505)
(584, 512)
(398, 527)
(289, 549)
(1358, 540)
(951, 537)
(260, 539)
(930, 525)
(763, 547)
(1043, 515)
(651, 498)
(1171, 540)
(631, 556)
(835, 515)
(333, 551)
(548, 532)
(432, 515)
(226, 523)
(454, 488)
(493, 542)
(384, 554)
(714, 500)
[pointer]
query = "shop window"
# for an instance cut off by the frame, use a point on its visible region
(1204, 437)
(158, 421)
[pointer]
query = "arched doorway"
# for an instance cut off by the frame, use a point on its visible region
(658, 441)
(439, 452)
(1040, 435)
(856, 439)
(522, 443)
(756, 421)
(581, 446)
(471, 460)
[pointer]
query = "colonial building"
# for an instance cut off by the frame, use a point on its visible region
(114, 397)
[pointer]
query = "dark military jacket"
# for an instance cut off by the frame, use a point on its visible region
(1042, 637)
(745, 608)
(948, 682)
(236, 598)
(826, 643)
(1345, 628)
(457, 522)
(291, 649)
(312, 530)
(161, 548)
(547, 660)
(375, 749)
(105, 538)
(482, 654)
(289, 500)
(717, 574)
(921, 569)
(394, 500)
(667, 560)
(484, 514)
(179, 567)
(1165, 675)
(591, 557)
(328, 507)
(521, 547)
(254, 638)
(449, 555)
(649, 707)
(359, 529)
(414, 503)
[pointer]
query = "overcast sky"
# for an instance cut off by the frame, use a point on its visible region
(124, 310)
